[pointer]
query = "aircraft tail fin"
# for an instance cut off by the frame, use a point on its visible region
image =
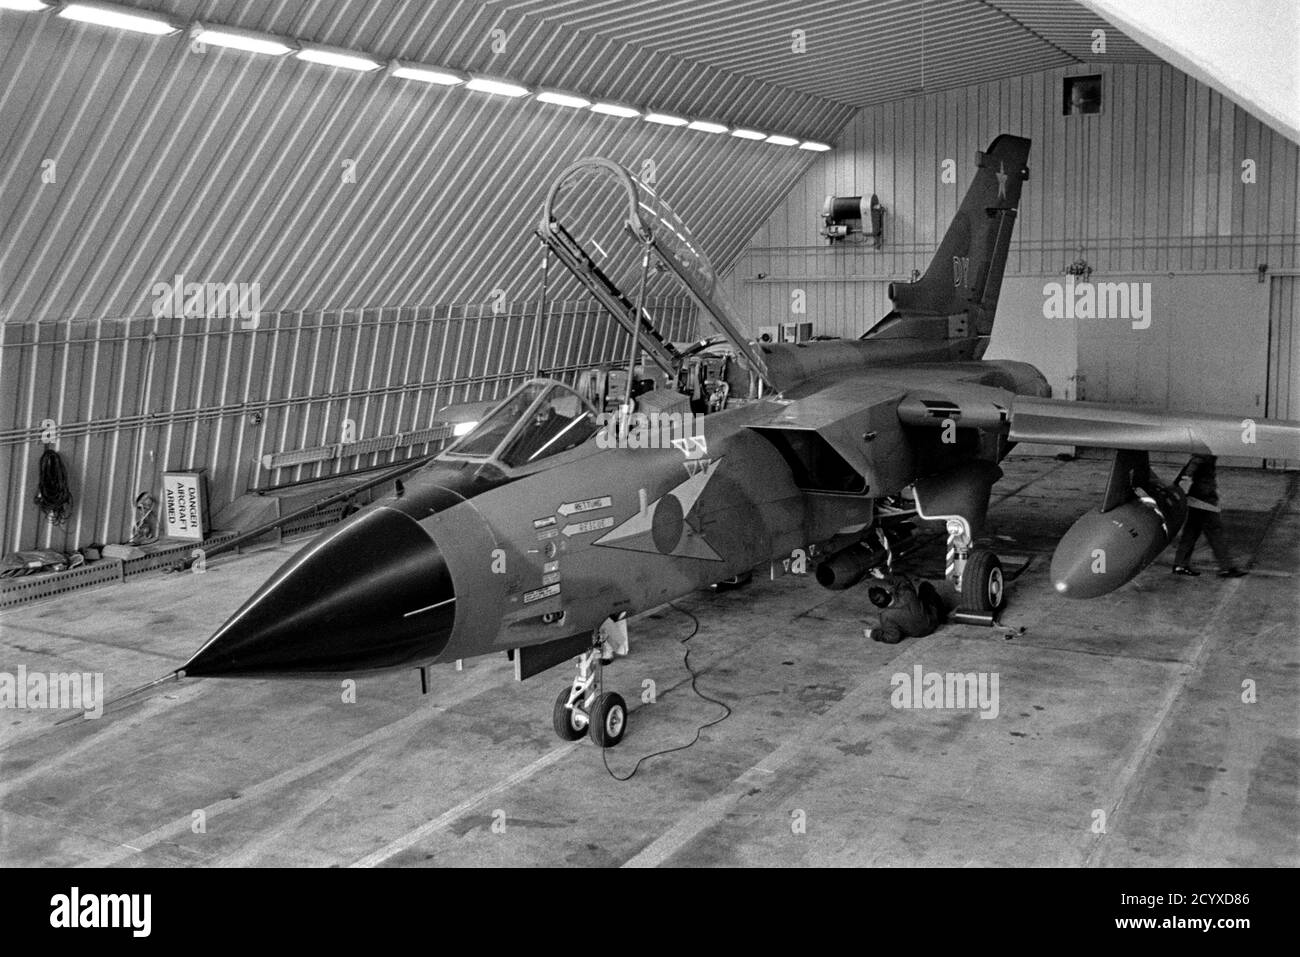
(957, 297)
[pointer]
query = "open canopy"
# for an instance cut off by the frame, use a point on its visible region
(603, 222)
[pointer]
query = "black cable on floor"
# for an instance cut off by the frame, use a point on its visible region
(686, 660)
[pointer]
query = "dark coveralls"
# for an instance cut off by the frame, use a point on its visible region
(1202, 515)
(913, 611)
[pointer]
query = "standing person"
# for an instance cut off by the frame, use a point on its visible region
(1203, 516)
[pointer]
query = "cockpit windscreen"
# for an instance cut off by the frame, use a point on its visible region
(488, 434)
(559, 422)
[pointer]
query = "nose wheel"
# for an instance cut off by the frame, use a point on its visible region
(580, 709)
(608, 719)
(570, 722)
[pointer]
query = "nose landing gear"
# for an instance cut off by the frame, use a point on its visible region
(580, 709)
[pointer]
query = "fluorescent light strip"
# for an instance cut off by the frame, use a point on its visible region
(110, 15)
(237, 39)
(424, 74)
(560, 98)
(704, 126)
(487, 84)
(615, 109)
(335, 56)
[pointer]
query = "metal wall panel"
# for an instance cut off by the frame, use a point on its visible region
(131, 398)
(1152, 184)
(1283, 399)
(1284, 348)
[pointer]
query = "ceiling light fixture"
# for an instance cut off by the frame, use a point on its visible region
(813, 146)
(615, 109)
(704, 126)
(111, 15)
(665, 119)
(23, 6)
(782, 140)
(342, 58)
(237, 39)
(748, 134)
(560, 98)
(424, 74)
(487, 84)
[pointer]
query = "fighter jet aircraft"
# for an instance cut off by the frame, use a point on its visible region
(552, 517)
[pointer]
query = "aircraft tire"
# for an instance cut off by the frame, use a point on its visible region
(608, 720)
(562, 718)
(983, 586)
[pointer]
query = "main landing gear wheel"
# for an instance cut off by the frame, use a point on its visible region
(983, 587)
(570, 723)
(608, 719)
(580, 710)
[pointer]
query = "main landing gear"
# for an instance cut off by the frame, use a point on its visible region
(581, 710)
(975, 573)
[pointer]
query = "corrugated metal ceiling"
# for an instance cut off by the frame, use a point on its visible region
(127, 160)
(856, 52)
(225, 167)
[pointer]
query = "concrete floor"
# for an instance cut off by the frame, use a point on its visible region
(1129, 705)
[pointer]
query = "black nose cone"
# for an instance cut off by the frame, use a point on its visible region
(371, 593)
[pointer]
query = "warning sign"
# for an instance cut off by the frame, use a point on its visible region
(185, 504)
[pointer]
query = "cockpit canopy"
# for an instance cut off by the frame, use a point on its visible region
(539, 419)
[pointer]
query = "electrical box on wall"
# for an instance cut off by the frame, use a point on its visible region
(185, 504)
(796, 331)
(769, 334)
(1081, 95)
